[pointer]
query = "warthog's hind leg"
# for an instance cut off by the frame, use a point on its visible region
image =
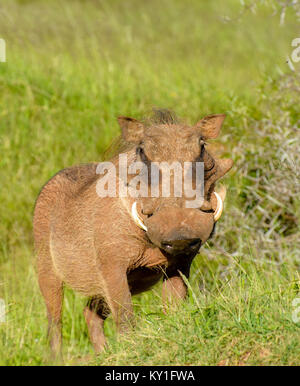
(52, 290)
(95, 313)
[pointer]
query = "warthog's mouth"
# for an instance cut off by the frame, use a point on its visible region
(139, 222)
(177, 247)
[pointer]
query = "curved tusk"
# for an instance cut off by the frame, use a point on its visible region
(136, 217)
(219, 209)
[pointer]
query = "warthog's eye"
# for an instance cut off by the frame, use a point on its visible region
(204, 156)
(202, 150)
(141, 153)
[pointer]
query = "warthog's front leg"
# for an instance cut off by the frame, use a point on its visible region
(174, 288)
(119, 300)
(117, 295)
(116, 299)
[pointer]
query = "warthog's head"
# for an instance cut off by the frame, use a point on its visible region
(170, 223)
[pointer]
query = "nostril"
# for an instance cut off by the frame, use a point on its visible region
(166, 245)
(195, 243)
(180, 245)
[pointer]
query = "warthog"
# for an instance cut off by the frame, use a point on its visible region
(111, 248)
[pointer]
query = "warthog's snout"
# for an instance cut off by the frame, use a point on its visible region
(180, 231)
(178, 245)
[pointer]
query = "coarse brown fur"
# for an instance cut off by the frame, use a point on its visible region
(93, 245)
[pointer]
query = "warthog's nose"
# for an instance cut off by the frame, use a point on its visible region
(178, 246)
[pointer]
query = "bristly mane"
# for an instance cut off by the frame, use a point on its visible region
(162, 117)
(158, 117)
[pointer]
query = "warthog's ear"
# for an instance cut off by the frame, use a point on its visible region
(132, 130)
(210, 126)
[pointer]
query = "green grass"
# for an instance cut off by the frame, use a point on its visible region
(72, 68)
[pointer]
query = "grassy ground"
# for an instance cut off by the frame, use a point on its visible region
(72, 67)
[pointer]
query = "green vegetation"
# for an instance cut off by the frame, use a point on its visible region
(72, 67)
